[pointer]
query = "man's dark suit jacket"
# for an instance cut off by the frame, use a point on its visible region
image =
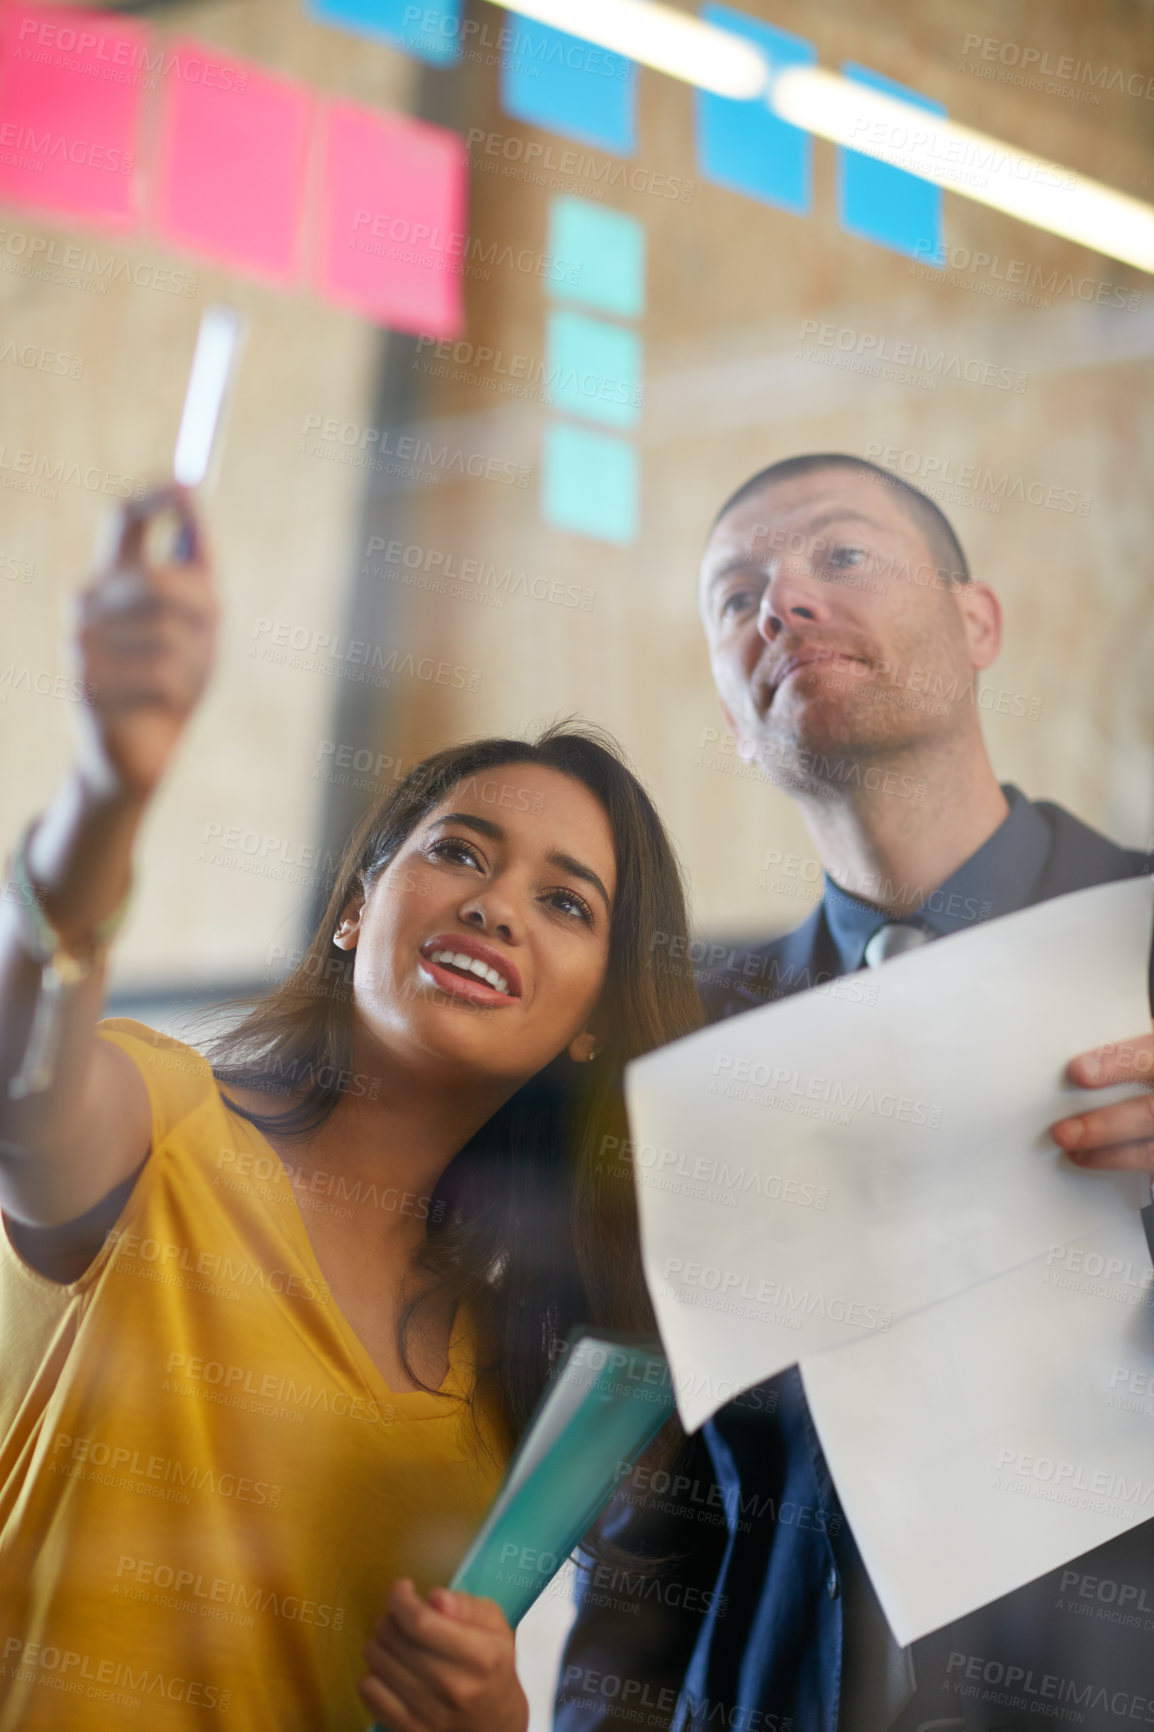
(752, 1605)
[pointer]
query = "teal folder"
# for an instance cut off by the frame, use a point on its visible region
(609, 1399)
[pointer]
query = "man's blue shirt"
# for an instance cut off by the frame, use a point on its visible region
(999, 878)
(791, 1639)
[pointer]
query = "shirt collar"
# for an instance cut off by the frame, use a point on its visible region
(998, 878)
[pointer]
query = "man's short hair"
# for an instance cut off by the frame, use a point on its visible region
(934, 526)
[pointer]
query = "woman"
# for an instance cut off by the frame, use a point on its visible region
(271, 1330)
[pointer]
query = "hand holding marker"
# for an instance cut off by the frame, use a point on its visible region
(213, 370)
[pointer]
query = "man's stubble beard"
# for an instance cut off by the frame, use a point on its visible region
(825, 746)
(822, 744)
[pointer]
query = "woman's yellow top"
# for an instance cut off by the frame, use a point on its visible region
(206, 1489)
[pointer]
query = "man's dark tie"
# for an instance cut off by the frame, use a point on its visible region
(878, 1680)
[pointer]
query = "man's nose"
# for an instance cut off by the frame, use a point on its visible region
(791, 595)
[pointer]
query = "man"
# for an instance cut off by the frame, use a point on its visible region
(846, 636)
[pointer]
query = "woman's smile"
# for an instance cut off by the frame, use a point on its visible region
(468, 968)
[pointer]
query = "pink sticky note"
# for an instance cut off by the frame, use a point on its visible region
(392, 234)
(70, 105)
(234, 144)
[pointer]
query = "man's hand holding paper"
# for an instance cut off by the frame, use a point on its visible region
(933, 1180)
(1119, 1136)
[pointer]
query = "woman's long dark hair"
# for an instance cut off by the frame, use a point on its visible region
(533, 1223)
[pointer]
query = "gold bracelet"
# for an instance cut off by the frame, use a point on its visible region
(61, 971)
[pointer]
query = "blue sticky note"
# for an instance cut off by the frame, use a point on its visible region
(885, 204)
(743, 145)
(603, 252)
(564, 84)
(593, 369)
(590, 484)
(427, 29)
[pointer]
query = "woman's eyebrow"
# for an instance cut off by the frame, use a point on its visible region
(484, 826)
(566, 863)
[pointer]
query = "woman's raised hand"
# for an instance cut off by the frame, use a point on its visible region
(143, 635)
(443, 1664)
(145, 630)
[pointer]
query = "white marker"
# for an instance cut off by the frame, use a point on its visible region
(206, 400)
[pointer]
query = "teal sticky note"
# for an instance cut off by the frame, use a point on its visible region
(604, 255)
(593, 369)
(590, 484)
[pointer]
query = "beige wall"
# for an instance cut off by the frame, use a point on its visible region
(282, 525)
(730, 284)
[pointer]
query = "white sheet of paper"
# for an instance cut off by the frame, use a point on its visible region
(809, 1172)
(999, 1435)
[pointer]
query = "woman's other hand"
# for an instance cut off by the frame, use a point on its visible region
(145, 631)
(443, 1664)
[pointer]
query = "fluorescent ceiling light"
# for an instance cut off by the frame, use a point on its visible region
(955, 157)
(967, 162)
(673, 42)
